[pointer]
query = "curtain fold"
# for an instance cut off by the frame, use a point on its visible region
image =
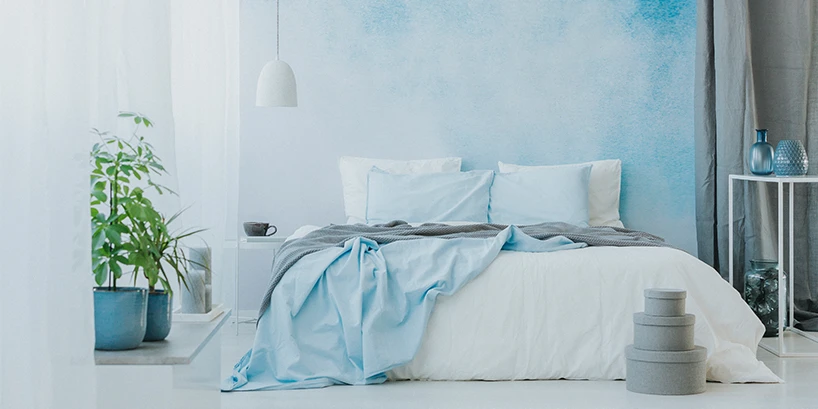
(46, 316)
(68, 66)
(205, 95)
(755, 59)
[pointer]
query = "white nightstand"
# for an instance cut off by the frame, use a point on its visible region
(790, 341)
(252, 243)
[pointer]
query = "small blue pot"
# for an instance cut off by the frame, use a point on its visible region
(120, 317)
(160, 310)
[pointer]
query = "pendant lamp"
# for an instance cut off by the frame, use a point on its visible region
(276, 83)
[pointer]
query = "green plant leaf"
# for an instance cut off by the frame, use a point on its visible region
(137, 120)
(97, 239)
(115, 268)
(101, 273)
(113, 236)
(124, 114)
(119, 228)
(99, 195)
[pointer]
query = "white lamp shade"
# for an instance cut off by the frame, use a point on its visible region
(276, 86)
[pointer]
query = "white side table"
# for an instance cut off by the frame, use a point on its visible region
(252, 243)
(787, 343)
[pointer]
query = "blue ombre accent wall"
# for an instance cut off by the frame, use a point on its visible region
(530, 82)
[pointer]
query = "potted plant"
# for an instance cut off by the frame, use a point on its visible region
(119, 166)
(156, 252)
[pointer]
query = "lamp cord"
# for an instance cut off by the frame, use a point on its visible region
(278, 30)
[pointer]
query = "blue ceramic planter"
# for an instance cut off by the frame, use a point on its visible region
(120, 317)
(160, 310)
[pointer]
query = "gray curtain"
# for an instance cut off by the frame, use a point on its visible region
(756, 67)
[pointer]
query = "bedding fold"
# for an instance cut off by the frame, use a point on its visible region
(338, 235)
(348, 314)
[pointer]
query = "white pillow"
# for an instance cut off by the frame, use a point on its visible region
(603, 189)
(354, 172)
(541, 195)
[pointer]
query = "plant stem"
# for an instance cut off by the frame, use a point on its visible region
(114, 205)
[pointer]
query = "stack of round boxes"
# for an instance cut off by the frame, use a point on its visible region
(663, 359)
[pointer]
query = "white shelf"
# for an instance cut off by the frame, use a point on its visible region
(179, 316)
(185, 341)
(262, 239)
(776, 179)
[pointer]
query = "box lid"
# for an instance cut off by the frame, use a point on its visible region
(666, 293)
(658, 321)
(697, 354)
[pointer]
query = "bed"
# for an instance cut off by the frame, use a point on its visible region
(508, 303)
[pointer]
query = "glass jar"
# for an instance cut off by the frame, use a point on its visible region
(761, 293)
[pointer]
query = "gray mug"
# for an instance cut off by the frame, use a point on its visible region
(259, 229)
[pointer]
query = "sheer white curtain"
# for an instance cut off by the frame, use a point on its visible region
(205, 65)
(46, 324)
(67, 66)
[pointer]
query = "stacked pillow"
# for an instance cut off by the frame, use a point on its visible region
(354, 173)
(541, 195)
(430, 197)
(434, 190)
(603, 188)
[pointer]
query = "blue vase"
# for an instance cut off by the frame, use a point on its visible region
(790, 158)
(120, 317)
(761, 154)
(159, 316)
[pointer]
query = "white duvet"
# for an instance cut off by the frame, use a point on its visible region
(569, 314)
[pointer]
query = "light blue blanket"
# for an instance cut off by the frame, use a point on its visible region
(349, 314)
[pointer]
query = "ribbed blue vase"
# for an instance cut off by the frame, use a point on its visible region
(790, 158)
(760, 158)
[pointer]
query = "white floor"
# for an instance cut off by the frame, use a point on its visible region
(799, 391)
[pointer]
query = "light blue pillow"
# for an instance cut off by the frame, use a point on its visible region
(558, 194)
(428, 197)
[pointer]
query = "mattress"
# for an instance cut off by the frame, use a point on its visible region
(568, 315)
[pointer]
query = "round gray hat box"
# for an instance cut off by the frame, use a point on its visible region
(665, 302)
(652, 333)
(666, 373)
